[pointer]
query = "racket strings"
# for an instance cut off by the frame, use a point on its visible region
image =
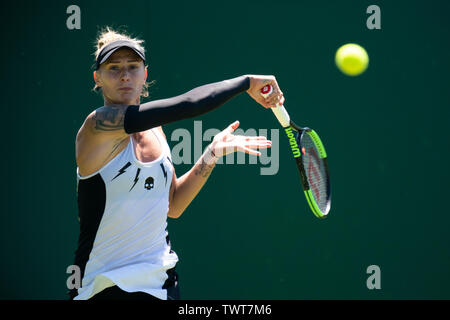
(315, 171)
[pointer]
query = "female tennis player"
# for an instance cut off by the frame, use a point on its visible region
(127, 186)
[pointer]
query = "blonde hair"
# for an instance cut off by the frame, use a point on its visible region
(108, 35)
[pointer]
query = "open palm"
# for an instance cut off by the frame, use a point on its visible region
(226, 142)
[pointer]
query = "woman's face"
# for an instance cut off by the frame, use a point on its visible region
(121, 77)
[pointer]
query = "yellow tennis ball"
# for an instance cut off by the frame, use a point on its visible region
(352, 59)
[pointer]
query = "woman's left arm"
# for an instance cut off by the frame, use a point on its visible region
(186, 188)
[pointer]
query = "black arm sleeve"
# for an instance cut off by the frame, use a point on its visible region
(193, 103)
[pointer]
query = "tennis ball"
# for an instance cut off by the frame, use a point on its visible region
(352, 59)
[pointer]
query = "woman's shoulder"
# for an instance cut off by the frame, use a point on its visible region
(99, 138)
(87, 122)
(160, 129)
(108, 120)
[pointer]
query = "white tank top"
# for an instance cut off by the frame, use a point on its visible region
(129, 201)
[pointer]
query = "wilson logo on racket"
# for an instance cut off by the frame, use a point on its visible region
(293, 142)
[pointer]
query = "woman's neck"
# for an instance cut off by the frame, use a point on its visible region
(109, 102)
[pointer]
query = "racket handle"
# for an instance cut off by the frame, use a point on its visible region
(279, 111)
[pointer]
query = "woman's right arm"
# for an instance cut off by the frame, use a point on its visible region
(107, 127)
(199, 101)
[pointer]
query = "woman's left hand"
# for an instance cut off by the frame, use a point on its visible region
(226, 142)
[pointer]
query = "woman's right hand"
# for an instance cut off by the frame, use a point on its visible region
(257, 82)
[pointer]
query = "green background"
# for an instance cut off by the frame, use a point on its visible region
(246, 236)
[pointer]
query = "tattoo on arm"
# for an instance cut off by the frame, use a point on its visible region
(204, 169)
(109, 118)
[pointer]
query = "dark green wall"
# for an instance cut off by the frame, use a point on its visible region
(246, 236)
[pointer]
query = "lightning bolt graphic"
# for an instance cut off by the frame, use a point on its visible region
(124, 168)
(136, 178)
(164, 171)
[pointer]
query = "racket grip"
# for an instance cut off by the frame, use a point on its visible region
(279, 111)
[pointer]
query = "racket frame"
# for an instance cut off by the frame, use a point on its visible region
(301, 168)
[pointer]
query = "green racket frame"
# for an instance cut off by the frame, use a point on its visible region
(305, 184)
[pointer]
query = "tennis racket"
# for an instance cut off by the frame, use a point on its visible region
(311, 158)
